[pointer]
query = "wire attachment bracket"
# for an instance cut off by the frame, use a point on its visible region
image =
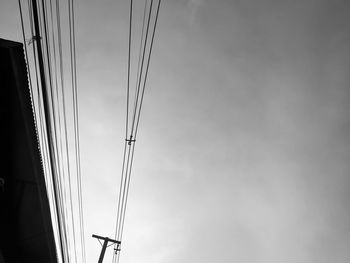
(117, 249)
(131, 140)
(31, 40)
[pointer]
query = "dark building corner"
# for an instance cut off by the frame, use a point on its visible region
(26, 232)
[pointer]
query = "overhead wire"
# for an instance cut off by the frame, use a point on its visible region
(46, 121)
(55, 90)
(50, 134)
(62, 141)
(121, 187)
(147, 68)
(76, 123)
(27, 62)
(60, 176)
(129, 147)
(47, 113)
(56, 135)
(47, 62)
(72, 83)
(41, 122)
(60, 179)
(126, 143)
(140, 76)
(141, 45)
(31, 92)
(128, 78)
(64, 113)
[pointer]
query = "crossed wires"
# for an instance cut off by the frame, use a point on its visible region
(150, 19)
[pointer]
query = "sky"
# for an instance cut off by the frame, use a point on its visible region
(243, 150)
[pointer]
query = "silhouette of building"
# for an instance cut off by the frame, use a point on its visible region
(26, 232)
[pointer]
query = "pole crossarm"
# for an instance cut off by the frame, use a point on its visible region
(106, 238)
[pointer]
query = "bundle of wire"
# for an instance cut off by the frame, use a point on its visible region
(49, 87)
(150, 19)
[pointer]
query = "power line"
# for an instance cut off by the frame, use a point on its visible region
(45, 97)
(76, 123)
(147, 68)
(52, 134)
(140, 76)
(129, 146)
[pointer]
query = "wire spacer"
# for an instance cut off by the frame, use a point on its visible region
(117, 249)
(130, 140)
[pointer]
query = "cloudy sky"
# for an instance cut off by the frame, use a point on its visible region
(243, 151)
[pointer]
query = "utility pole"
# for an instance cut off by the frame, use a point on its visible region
(104, 246)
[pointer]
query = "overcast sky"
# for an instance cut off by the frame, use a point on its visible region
(243, 151)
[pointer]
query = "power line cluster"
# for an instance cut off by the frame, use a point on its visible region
(55, 104)
(133, 113)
